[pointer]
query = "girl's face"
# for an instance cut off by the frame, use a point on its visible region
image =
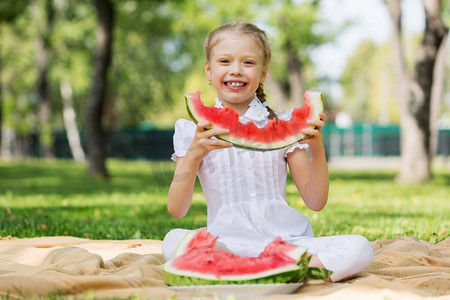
(236, 69)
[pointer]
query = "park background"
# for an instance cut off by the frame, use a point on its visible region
(90, 91)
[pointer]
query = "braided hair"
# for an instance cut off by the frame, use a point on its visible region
(260, 37)
(262, 97)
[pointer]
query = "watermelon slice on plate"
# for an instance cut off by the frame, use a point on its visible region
(199, 262)
(275, 135)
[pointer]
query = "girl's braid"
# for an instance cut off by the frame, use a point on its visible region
(262, 97)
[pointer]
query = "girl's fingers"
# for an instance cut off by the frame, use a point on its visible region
(316, 125)
(323, 116)
(205, 137)
(202, 126)
(310, 132)
(218, 131)
(219, 144)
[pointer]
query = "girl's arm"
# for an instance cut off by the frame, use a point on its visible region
(310, 173)
(182, 186)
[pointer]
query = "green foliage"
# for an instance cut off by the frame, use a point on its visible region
(73, 44)
(19, 75)
(157, 49)
(43, 198)
(446, 12)
(292, 25)
(145, 60)
(367, 85)
(9, 10)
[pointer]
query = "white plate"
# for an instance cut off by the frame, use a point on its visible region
(238, 290)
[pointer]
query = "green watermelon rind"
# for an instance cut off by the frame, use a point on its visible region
(184, 280)
(318, 273)
(316, 101)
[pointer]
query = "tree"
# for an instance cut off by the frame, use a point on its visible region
(9, 10)
(70, 123)
(96, 136)
(149, 63)
(73, 44)
(367, 85)
(295, 36)
(43, 55)
(415, 90)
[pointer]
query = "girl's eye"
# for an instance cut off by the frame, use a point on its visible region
(223, 61)
(249, 62)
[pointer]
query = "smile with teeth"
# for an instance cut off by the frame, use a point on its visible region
(235, 84)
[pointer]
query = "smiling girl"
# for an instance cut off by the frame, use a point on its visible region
(245, 189)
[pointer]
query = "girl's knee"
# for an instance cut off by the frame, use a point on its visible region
(364, 250)
(358, 255)
(171, 241)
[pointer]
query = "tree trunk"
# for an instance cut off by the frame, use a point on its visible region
(277, 94)
(295, 76)
(415, 93)
(96, 135)
(69, 116)
(437, 94)
(1, 99)
(43, 53)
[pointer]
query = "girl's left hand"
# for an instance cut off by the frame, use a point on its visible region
(314, 133)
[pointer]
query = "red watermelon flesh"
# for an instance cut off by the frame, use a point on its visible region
(201, 239)
(204, 264)
(276, 134)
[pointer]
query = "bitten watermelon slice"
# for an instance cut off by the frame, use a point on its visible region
(275, 135)
(198, 262)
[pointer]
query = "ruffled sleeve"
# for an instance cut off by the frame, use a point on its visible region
(182, 138)
(292, 147)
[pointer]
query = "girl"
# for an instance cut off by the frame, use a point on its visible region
(244, 189)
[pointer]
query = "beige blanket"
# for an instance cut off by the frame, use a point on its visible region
(403, 268)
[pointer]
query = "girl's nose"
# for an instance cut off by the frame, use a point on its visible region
(235, 69)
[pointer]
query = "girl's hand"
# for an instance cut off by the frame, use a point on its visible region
(205, 142)
(314, 134)
(310, 173)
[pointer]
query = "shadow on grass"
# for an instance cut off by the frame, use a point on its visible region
(119, 221)
(378, 176)
(372, 176)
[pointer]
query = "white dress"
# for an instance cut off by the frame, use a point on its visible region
(245, 193)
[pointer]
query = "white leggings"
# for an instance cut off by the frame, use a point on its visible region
(345, 255)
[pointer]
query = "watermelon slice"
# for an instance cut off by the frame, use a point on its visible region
(275, 135)
(198, 262)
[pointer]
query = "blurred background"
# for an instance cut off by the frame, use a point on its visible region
(95, 79)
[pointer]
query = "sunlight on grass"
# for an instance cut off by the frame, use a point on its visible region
(57, 198)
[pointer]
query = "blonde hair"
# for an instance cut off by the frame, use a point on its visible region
(261, 39)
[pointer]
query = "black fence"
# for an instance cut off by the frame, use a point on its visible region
(127, 144)
(372, 140)
(153, 144)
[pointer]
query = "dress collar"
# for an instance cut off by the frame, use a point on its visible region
(256, 112)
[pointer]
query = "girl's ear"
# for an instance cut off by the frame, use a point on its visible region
(264, 72)
(208, 71)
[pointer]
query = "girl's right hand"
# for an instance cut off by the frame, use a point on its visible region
(205, 142)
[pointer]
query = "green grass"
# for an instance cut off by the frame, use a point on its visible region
(41, 198)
